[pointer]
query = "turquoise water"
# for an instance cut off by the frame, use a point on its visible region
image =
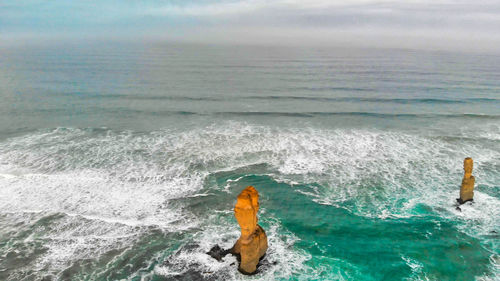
(123, 162)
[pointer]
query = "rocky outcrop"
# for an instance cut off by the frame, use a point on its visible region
(252, 244)
(467, 188)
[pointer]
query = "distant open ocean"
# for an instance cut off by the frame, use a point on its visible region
(123, 161)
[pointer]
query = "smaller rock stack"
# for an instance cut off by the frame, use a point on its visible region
(252, 244)
(467, 188)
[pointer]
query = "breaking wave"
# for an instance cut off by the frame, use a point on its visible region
(91, 196)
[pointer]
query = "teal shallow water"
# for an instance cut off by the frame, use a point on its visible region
(124, 163)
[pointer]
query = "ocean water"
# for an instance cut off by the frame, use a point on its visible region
(123, 161)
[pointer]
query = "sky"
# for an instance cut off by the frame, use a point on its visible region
(460, 24)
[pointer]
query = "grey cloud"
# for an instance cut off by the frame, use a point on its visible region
(418, 23)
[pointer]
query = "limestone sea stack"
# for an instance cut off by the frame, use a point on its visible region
(252, 244)
(467, 188)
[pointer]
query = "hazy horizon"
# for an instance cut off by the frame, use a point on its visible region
(446, 25)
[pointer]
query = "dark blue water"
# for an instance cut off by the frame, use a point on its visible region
(123, 161)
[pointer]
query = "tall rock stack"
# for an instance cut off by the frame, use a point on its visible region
(252, 244)
(467, 188)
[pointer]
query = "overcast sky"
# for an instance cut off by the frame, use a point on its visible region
(461, 24)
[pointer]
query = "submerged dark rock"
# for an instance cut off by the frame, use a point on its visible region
(218, 253)
(460, 201)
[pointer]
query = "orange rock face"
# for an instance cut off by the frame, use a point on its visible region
(467, 188)
(252, 244)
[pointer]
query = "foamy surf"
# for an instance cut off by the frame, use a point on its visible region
(93, 197)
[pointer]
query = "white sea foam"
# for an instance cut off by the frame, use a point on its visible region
(118, 181)
(416, 269)
(282, 260)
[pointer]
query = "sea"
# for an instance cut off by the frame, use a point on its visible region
(123, 160)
